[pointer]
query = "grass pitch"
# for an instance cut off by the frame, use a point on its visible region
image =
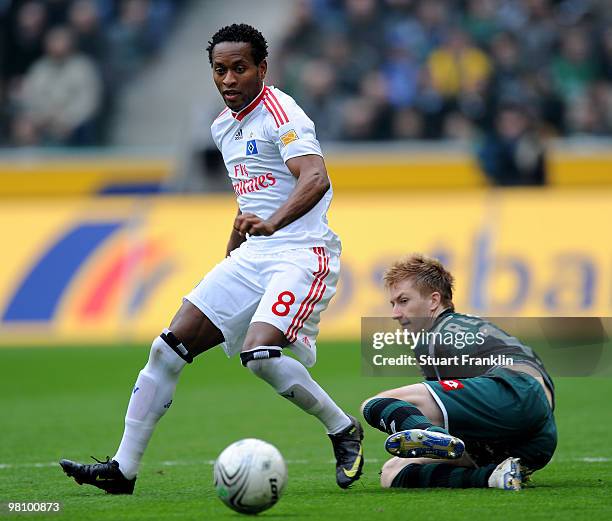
(69, 402)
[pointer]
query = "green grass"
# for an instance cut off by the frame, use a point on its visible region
(70, 402)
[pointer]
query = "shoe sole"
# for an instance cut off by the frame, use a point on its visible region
(417, 443)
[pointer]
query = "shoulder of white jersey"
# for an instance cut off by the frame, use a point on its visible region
(216, 127)
(281, 107)
(225, 113)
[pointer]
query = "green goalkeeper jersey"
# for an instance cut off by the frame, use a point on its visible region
(465, 346)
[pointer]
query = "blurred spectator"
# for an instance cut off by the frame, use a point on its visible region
(130, 40)
(606, 53)
(348, 64)
(318, 79)
(24, 41)
(513, 154)
(57, 11)
(118, 35)
(433, 17)
(458, 66)
(591, 113)
(363, 26)
(574, 67)
(401, 72)
(547, 102)
(539, 33)
(407, 124)
(457, 126)
(374, 88)
(369, 116)
(305, 35)
(432, 106)
(5, 117)
(506, 82)
(480, 21)
(359, 120)
(86, 24)
(60, 97)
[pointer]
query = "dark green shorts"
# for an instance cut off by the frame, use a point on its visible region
(504, 413)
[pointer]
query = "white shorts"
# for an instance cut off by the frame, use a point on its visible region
(289, 290)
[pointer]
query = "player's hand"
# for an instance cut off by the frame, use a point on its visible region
(253, 225)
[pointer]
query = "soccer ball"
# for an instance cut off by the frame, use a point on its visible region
(250, 476)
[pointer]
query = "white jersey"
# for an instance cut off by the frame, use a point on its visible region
(255, 144)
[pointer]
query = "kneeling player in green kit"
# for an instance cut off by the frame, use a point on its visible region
(466, 426)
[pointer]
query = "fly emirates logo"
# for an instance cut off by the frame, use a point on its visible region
(253, 184)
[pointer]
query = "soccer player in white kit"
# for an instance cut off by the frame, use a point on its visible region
(280, 272)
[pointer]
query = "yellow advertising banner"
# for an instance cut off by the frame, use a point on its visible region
(359, 168)
(115, 269)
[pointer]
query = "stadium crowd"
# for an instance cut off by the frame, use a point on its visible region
(62, 63)
(410, 69)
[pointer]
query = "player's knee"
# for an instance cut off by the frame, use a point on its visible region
(372, 408)
(407, 467)
(367, 404)
(389, 470)
(163, 355)
(416, 395)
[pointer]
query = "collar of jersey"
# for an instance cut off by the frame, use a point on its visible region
(438, 319)
(241, 114)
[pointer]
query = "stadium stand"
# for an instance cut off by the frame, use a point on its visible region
(468, 91)
(411, 69)
(63, 63)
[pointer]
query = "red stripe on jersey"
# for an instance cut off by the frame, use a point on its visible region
(272, 97)
(271, 111)
(251, 106)
(317, 289)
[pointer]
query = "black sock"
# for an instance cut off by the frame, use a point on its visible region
(433, 475)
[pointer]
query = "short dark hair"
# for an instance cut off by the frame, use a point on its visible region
(240, 33)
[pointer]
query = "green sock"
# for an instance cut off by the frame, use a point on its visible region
(391, 415)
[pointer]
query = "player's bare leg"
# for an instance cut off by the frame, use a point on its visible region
(262, 354)
(190, 333)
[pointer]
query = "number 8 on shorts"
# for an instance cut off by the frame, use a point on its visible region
(282, 306)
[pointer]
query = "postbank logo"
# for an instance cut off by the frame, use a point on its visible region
(107, 264)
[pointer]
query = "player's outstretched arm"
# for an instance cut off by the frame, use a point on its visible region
(236, 239)
(313, 183)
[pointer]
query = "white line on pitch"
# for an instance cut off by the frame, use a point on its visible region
(169, 463)
(175, 463)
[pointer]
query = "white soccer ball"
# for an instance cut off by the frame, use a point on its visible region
(250, 476)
